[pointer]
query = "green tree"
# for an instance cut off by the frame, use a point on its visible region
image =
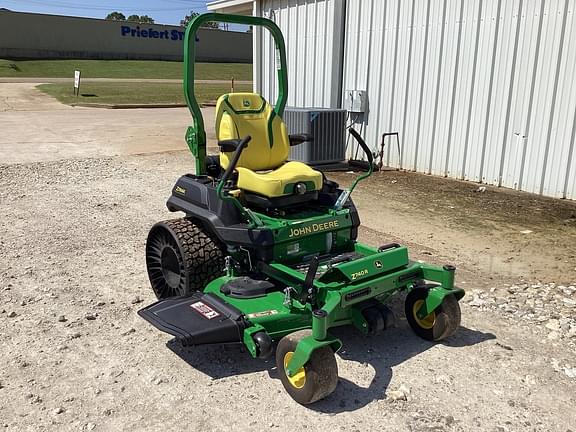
(144, 19)
(188, 18)
(116, 16)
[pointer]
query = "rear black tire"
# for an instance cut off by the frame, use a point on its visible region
(321, 371)
(181, 258)
(439, 324)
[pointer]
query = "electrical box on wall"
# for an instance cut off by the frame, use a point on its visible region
(355, 101)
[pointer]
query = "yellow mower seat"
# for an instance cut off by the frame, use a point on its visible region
(262, 168)
(281, 181)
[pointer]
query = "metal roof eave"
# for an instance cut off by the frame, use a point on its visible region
(243, 7)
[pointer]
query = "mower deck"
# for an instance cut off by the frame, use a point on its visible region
(268, 301)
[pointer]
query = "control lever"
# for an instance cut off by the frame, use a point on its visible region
(309, 291)
(343, 198)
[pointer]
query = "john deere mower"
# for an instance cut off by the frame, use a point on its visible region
(267, 254)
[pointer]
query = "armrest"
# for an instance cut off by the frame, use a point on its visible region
(229, 145)
(297, 139)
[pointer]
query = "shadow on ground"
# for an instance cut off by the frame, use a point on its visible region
(381, 352)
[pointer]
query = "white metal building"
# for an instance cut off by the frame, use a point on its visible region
(482, 90)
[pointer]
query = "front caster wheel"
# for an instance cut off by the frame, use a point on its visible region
(316, 379)
(437, 325)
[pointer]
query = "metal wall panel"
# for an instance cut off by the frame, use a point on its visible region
(481, 90)
(314, 39)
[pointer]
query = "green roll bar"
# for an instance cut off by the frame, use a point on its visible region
(196, 134)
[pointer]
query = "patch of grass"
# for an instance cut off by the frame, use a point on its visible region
(121, 69)
(135, 93)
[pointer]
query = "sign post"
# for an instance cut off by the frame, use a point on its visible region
(77, 83)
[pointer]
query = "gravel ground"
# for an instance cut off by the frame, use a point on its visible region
(75, 356)
(551, 307)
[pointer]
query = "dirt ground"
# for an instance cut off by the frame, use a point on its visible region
(75, 356)
(500, 232)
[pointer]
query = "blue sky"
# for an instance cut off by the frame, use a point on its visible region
(163, 11)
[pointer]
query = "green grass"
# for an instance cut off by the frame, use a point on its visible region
(121, 69)
(135, 93)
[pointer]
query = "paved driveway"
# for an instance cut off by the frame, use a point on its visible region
(34, 127)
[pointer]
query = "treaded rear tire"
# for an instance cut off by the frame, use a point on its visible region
(182, 257)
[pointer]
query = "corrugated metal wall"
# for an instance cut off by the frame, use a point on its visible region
(312, 29)
(481, 90)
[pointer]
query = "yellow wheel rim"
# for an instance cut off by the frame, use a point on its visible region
(428, 321)
(299, 378)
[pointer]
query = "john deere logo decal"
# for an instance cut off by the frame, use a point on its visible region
(378, 264)
(246, 103)
(317, 227)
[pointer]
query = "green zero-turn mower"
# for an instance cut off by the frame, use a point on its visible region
(267, 250)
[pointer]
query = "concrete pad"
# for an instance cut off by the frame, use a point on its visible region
(26, 97)
(34, 128)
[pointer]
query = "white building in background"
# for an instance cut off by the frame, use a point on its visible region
(481, 90)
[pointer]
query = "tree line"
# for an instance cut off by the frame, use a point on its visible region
(145, 19)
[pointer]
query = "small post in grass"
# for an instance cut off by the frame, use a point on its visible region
(232, 86)
(76, 83)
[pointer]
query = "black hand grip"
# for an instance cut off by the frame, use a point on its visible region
(235, 157)
(229, 145)
(362, 143)
(388, 246)
(297, 139)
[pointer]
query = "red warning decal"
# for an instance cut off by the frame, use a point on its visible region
(205, 310)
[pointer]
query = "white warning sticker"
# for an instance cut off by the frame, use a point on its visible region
(205, 310)
(262, 314)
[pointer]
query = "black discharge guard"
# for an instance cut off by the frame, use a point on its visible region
(197, 320)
